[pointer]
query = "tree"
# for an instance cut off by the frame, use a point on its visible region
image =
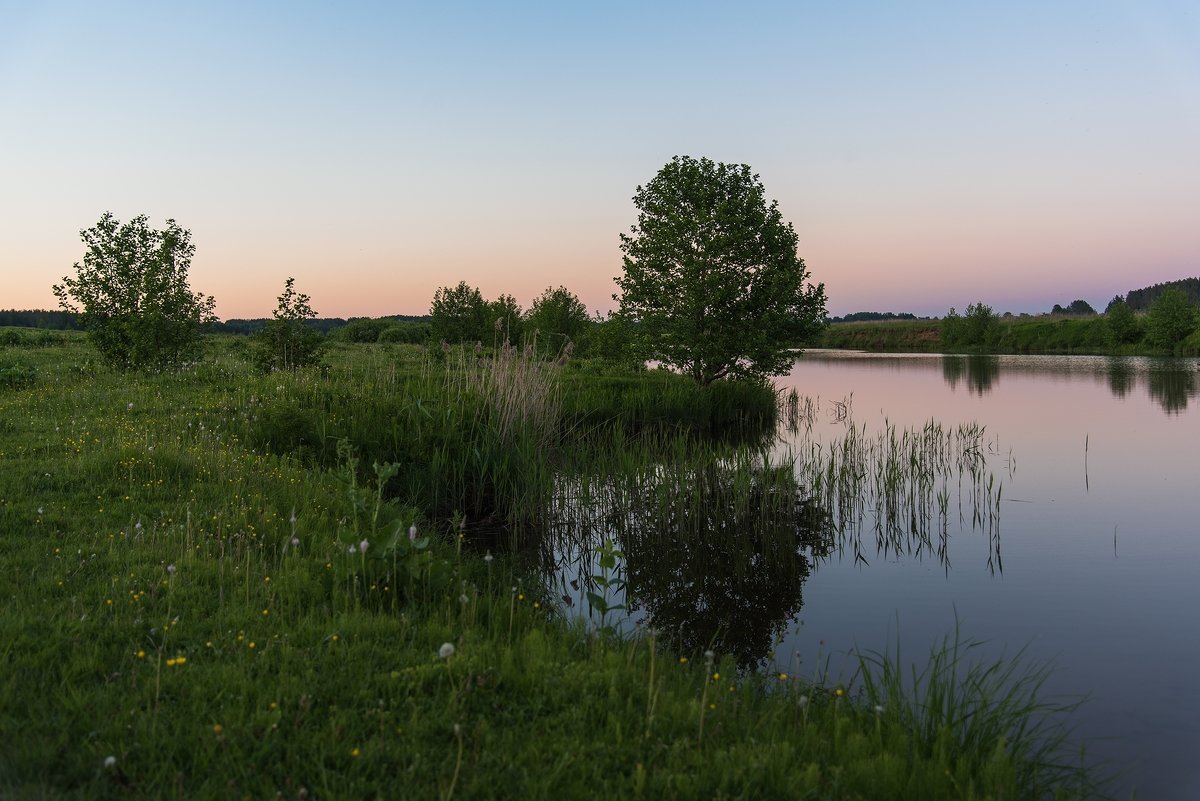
(287, 342)
(980, 325)
(1171, 318)
(1123, 327)
(505, 316)
(712, 282)
(459, 315)
(132, 294)
(559, 317)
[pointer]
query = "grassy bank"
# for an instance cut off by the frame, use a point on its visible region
(215, 593)
(1034, 335)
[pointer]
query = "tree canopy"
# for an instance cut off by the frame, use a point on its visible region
(559, 317)
(459, 314)
(132, 294)
(713, 285)
(1171, 318)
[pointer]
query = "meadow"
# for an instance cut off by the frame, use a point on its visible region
(324, 584)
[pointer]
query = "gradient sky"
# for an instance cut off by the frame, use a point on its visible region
(928, 154)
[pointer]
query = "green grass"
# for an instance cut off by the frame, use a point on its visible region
(202, 604)
(1045, 334)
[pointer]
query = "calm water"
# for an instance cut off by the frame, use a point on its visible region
(1090, 558)
(1099, 529)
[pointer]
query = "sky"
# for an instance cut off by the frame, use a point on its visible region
(928, 154)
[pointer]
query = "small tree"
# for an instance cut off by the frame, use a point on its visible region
(1123, 327)
(980, 325)
(952, 327)
(459, 314)
(287, 342)
(1170, 319)
(506, 320)
(712, 281)
(132, 294)
(559, 317)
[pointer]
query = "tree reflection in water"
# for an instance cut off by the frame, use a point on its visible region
(1171, 386)
(716, 551)
(980, 371)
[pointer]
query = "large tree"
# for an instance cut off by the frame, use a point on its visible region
(712, 282)
(132, 294)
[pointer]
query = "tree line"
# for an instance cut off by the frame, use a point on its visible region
(712, 286)
(1170, 319)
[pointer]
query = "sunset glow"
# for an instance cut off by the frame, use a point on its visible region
(929, 155)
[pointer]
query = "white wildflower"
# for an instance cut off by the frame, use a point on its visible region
(447, 650)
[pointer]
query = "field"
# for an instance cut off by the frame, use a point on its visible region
(322, 584)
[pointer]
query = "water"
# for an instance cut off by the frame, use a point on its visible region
(1087, 555)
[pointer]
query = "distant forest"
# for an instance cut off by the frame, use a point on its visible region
(59, 320)
(862, 317)
(1142, 299)
(66, 321)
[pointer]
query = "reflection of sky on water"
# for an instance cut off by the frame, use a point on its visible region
(1099, 534)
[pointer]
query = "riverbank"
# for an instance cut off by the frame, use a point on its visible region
(1047, 334)
(231, 584)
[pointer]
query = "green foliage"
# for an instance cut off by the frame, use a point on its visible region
(132, 294)
(406, 332)
(1171, 318)
(978, 329)
(361, 329)
(712, 279)
(287, 342)
(910, 336)
(459, 314)
(1076, 307)
(507, 320)
(1123, 325)
(559, 317)
(17, 376)
(1142, 299)
(611, 339)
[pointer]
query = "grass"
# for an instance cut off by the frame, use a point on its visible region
(1043, 334)
(214, 593)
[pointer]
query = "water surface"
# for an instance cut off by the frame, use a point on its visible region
(1074, 537)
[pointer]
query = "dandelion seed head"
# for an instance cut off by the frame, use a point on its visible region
(446, 651)
(295, 542)
(170, 570)
(110, 761)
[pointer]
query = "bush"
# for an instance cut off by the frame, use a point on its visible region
(133, 297)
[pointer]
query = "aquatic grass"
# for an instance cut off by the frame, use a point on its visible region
(959, 706)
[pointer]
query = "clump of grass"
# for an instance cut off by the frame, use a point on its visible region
(973, 714)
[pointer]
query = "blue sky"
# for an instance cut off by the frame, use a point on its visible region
(928, 154)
